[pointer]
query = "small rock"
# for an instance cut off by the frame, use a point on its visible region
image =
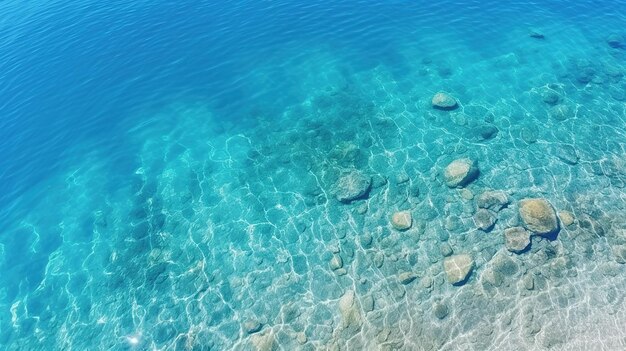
(567, 154)
(362, 209)
(453, 223)
(460, 172)
(264, 341)
(459, 119)
(614, 71)
(566, 217)
(586, 75)
(383, 335)
(368, 303)
(560, 112)
(516, 239)
(533, 33)
(440, 310)
(402, 178)
(493, 200)
(353, 186)
(529, 282)
(406, 277)
(550, 97)
(445, 249)
(336, 262)
(301, 338)
(538, 216)
(379, 259)
(341, 271)
(427, 282)
(366, 240)
(401, 220)
(616, 41)
(620, 254)
(486, 132)
(528, 135)
(458, 268)
(484, 219)
(252, 326)
(504, 265)
(444, 101)
(349, 309)
(467, 194)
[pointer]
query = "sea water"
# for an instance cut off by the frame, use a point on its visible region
(273, 175)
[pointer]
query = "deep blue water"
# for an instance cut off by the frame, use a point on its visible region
(169, 174)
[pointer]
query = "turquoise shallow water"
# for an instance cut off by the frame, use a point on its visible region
(172, 174)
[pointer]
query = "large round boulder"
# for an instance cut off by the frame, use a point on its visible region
(458, 268)
(444, 101)
(401, 220)
(460, 173)
(352, 186)
(538, 216)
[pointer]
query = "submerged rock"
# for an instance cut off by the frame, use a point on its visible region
(619, 252)
(264, 341)
(566, 217)
(252, 326)
(352, 186)
(585, 74)
(368, 303)
(406, 277)
(561, 112)
(528, 281)
(401, 220)
(550, 97)
(443, 101)
(445, 249)
(486, 132)
(616, 41)
(516, 239)
(504, 265)
(566, 153)
(538, 216)
(336, 262)
(301, 338)
(529, 135)
(440, 310)
(533, 33)
(458, 268)
(484, 219)
(460, 172)
(493, 200)
(350, 313)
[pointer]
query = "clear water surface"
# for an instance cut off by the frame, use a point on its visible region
(171, 175)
